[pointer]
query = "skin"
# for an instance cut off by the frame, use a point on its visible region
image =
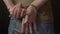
(32, 11)
(17, 11)
(28, 18)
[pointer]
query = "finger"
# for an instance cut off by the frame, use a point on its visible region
(19, 12)
(26, 31)
(35, 26)
(15, 12)
(26, 20)
(23, 12)
(23, 26)
(19, 9)
(30, 28)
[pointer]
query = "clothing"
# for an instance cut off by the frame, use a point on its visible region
(25, 3)
(15, 27)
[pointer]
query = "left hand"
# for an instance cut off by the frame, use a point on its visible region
(30, 18)
(17, 11)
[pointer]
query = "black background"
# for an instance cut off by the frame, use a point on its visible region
(4, 19)
(56, 14)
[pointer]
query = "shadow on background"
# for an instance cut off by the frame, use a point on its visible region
(4, 19)
(56, 14)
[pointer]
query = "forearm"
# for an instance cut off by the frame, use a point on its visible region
(8, 3)
(38, 3)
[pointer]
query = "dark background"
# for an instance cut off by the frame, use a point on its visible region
(4, 19)
(56, 14)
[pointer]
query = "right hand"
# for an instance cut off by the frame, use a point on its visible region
(17, 11)
(29, 19)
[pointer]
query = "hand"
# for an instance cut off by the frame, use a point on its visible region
(17, 11)
(29, 18)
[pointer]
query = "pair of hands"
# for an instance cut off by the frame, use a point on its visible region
(29, 16)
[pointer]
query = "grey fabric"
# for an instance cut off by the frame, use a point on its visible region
(15, 27)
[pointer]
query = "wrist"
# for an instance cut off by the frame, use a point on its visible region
(34, 6)
(10, 7)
